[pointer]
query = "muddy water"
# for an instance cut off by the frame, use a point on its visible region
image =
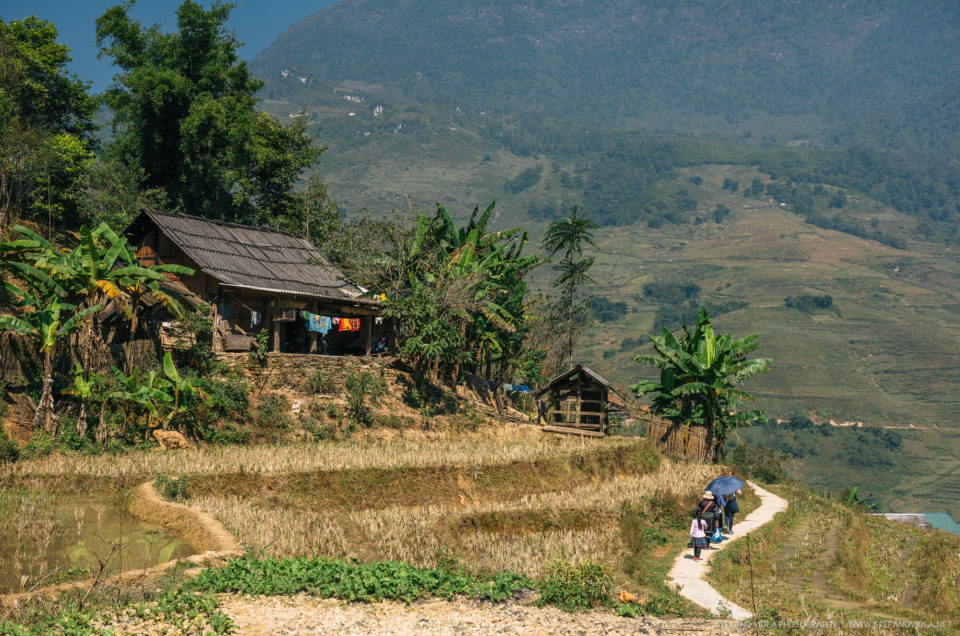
(70, 536)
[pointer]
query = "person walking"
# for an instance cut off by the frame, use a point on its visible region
(710, 512)
(730, 508)
(698, 536)
(541, 411)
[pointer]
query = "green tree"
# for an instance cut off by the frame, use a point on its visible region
(699, 375)
(43, 322)
(64, 291)
(568, 236)
(458, 294)
(84, 389)
(185, 113)
(46, 125)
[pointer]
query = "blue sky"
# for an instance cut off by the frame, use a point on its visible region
(257, 24)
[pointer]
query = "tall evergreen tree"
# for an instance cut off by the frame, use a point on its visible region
(185, 112)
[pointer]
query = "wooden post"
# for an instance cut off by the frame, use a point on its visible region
(217, 344)
(369, 321)
(579, 396)
(275, 324)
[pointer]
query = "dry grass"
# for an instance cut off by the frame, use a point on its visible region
(420, 534)
(498, 446)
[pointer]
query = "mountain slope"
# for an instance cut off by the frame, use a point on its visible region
(869, 70)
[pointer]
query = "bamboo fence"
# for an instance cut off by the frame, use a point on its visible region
(682, 441)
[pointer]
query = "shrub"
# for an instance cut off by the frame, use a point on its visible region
(360, 386)
(763, 463)
(333, 411)
(40, 446)
(574, 587)
(171, 489)
(9, 449)
(321, 432)
(69, 440)
(274, 412)
(809, 303)
(319, 382)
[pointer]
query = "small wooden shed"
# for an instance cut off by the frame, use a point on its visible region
(579, 402)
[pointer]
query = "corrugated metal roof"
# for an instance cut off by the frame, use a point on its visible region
(938, 520)
(252, 258)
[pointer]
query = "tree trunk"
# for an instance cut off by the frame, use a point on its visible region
(44, 413)
(82, 420)
(102, 426)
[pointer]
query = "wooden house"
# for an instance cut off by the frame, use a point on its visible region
(261, 281)
(579, 402)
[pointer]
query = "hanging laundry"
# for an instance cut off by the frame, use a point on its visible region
(254, 318)
(336, 320)
(349, 324)
(378, 320)
(318, 323)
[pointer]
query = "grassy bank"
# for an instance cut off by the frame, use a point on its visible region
(821, 559)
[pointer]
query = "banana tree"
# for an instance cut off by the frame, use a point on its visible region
(180, 385)
(150, 391)
(83, 389)
(43, 323)
(699, 375)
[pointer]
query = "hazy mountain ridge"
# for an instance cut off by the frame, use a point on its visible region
(867, 71)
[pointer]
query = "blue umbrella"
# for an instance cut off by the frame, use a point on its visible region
(725, 485)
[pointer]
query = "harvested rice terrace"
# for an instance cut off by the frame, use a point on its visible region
(518, 515)
(499, 446)
(512, 498)
(508, 499)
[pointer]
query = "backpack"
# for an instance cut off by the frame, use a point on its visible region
(706, 511)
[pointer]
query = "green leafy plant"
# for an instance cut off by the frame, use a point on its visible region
(172, 489)
(362, 385)
(699, 375)
(273, 413)
(763, 463)
(319, 382)
(9, 449)
(575, 587)
(354, 581)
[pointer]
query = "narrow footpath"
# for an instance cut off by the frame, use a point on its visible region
(690, 575)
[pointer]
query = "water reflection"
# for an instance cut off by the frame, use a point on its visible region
(40, 533)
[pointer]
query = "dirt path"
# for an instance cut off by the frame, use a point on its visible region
(303, 614)
(690, 575)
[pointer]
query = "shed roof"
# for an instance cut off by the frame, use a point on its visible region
(588, 372)
(246, 257)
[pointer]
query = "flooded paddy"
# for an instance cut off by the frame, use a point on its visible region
(66, 537)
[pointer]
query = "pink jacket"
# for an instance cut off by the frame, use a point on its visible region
(697, 528)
